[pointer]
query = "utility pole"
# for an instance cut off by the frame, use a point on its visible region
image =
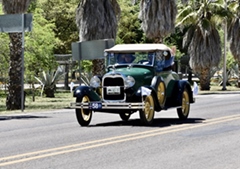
(225, 51)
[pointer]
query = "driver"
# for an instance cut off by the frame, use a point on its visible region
(128, 58)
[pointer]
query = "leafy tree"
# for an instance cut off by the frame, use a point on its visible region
(129, 27)
(39, 45)
(4, 58)
(4, 55)
(62, 14)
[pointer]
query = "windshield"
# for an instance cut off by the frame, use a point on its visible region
(143, 58)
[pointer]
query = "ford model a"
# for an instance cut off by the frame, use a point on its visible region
(139, 78)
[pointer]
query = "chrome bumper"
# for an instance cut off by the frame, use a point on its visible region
(107, 105)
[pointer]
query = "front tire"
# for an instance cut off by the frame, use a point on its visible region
(147, 114)
(84, 116)
(183, 112)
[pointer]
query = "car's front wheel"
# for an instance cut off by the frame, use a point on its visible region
(84, 116)
(147, 114)
(183, 112)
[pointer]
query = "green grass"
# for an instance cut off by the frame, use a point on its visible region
(60, 101)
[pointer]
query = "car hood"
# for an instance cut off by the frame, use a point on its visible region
(142, 76)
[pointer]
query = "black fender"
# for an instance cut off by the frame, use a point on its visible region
(81, 91)
(174, 92)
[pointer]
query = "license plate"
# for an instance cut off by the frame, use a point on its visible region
(95, 105)
(113, 90)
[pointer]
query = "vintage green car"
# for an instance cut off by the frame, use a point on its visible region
(139, 78)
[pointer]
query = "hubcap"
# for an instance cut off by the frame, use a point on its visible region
(161, 93)
(185, 103)
(85, 113)
(149, 109)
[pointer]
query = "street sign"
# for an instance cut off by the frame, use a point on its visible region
(13, 23)
(89, 50)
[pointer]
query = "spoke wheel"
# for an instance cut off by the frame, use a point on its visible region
(161, 93)
(147, 115)
(84, 116)
(125, 116)
(183, 112)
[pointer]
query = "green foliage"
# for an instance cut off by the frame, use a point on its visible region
(4, 54)
(39, 46)
(4, 57)
(62, 14)
(129, 28)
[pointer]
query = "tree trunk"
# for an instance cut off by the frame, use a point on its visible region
(13, 101)
(99, 66)
(205, 79)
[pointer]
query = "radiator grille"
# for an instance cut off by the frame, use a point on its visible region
(113, 81)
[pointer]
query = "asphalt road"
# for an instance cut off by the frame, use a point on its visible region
(209, 139)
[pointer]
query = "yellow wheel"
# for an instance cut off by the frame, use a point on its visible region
(147, 114)
(161, 95)
(84, 116)
(183, 112)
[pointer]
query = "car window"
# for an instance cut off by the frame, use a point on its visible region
(143, 58)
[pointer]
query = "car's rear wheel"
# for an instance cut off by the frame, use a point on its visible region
(84, 116)
(125, 116)
(147, 114)
(161, 93)
(183, 112)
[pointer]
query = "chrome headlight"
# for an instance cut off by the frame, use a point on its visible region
(129, 82)
(95, 82)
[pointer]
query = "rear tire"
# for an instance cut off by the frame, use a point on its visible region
(183, 112)
(161, 93)
(84, 116)
(147, 115)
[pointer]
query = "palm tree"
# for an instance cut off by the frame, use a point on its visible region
(97, 19)
(158, 18)
(13, 101)
(234, 33)
(202, 39)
